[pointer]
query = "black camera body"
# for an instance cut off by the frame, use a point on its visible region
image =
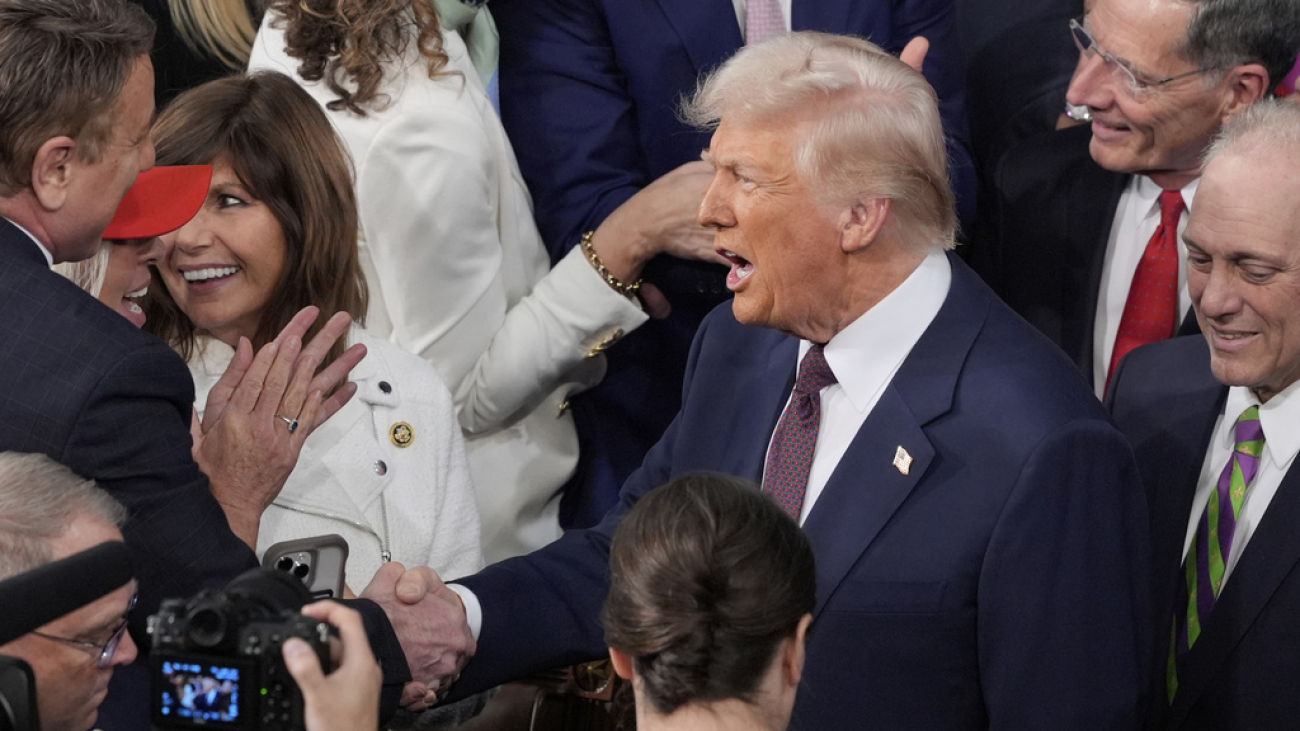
(216, 657)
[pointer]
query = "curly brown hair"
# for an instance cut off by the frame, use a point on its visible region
(348, 41)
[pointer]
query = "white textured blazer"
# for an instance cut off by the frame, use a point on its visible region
(354, 479)
(454, 257)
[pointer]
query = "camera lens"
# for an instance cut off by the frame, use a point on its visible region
(301, 570)
(285, 563)
(207, 626)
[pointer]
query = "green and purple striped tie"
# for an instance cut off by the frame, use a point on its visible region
(1211, 545)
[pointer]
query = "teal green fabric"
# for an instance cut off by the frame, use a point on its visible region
(477, 29)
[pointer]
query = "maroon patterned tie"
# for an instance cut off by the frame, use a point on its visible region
(791, 454)
(1151, 310)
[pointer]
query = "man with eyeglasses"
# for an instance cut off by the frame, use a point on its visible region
(1082, 233)
(48, 513)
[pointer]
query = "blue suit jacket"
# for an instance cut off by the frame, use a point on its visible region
(1242, 672)
(1000, 584)
(589, 96)
(81, 384)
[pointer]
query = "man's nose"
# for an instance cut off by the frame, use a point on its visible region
(1091, 85)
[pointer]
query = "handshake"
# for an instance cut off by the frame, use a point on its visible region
(431, 623)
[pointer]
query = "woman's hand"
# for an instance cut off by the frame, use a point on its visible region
(348, 698)
(660, 219)
(261, 411)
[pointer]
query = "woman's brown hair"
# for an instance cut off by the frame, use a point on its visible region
(285, 152)
(346, 43)
(707, 576)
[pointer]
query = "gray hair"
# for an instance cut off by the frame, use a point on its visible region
(39, 498)
(1227, 33)
(1272, 124)
(877, 132)
(88, 273)
(63, 65)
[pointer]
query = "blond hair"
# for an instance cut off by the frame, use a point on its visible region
(222, 29)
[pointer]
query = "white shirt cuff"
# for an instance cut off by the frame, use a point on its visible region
(473, 610)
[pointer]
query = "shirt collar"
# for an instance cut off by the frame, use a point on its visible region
(49, 258)
(1148, 194)
(865, 355)
(1279, 418)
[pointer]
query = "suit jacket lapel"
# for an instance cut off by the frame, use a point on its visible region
(1272, 554)
(755, 419)
(707, 28)
(1092, 198)
(867, 488)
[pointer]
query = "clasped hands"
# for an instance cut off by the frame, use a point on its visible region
(431, 625)
(244, 442)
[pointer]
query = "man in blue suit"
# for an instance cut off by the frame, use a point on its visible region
(977, 521)
(589, 96)
(1215, 424)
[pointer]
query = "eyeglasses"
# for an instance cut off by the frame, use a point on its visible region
(1120, 69)
(106, 650)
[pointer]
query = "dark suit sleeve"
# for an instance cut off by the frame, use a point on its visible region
(565, 103)
(1063, 593)
(541, 611)
(132, 437)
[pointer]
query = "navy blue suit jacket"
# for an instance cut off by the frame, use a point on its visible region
(1242, 672)
(589, 94)
(82, 385)
(1000, 584)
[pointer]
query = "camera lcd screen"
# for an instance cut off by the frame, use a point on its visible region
(203, 692)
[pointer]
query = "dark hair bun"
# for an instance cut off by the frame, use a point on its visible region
(708, 575)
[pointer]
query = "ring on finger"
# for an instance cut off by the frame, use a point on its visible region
(291, 423)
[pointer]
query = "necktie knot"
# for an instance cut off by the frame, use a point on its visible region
(814, 372)
(1171, 207)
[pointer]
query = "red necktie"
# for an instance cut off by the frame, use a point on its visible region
(790, 456)
(1151, 311)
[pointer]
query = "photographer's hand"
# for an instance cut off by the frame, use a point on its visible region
(429, 620)
(348, 698)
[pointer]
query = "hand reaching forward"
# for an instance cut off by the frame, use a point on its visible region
(348, 698)
(430, 623)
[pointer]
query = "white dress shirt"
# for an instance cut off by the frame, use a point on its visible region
(1280, 420)
(1136, 219)
(864, 357)
(742, 13)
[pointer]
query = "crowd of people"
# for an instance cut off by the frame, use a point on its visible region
(699, 336)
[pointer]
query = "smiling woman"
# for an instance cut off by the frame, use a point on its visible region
(277, 232)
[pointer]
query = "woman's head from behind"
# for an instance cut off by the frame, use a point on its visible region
(278, 230)
(711, 591)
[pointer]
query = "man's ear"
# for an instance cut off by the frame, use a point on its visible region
(1247, 84)
(622, 663)
(861, 223)
(52, 172)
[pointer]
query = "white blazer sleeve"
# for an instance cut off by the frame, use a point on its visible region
(429, 193)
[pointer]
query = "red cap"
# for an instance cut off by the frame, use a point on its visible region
(162, 200)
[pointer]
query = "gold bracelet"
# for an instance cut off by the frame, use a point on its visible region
(627, 290)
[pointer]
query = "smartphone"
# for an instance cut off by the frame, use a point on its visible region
(318, 562)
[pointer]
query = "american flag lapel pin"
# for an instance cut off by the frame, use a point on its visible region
(902, 460)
